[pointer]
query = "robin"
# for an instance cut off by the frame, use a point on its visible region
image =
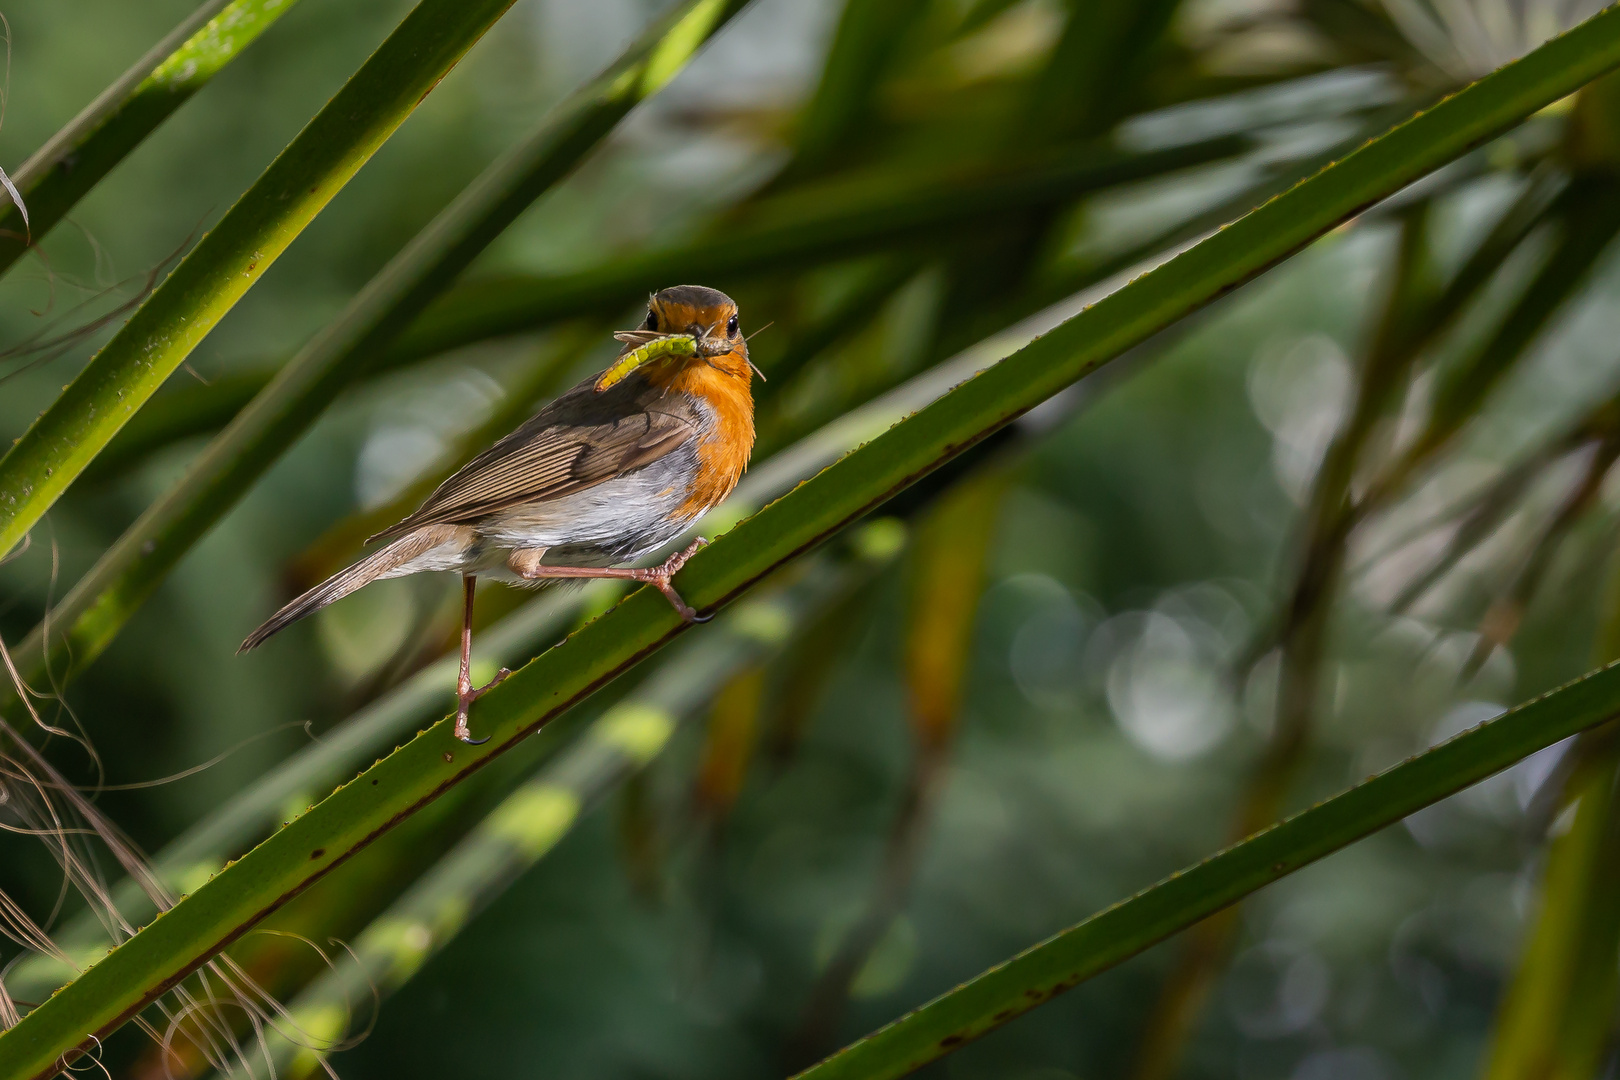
(612, 470)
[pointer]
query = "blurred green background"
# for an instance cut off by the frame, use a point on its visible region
(1118, 700)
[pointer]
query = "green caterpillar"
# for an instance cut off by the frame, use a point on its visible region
(657, 349)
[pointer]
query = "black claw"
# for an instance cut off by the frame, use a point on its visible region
(695, 617)
(470, 741)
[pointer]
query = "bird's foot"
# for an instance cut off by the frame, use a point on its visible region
(659, 577)
(464, 701)
(673, 564)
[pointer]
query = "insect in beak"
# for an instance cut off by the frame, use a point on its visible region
(649, 347)
(655, 344)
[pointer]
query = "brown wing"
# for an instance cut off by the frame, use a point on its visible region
(552, 455)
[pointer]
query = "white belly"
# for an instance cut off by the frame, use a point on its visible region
(621, 518)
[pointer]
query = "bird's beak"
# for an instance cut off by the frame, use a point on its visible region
(710, 344)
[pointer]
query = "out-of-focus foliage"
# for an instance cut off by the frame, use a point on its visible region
(1353, 509)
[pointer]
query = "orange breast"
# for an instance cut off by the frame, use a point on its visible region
(723, 382)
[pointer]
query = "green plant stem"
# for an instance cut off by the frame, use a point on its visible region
(57, 175)
(1113, 936)
(216, 913)
(98, 605)
(531, 821)
(209, 281)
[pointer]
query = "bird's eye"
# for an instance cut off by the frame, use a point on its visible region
(731, 326)
(652, 319)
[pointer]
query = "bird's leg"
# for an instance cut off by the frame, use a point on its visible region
(465, 693)
(527, 564)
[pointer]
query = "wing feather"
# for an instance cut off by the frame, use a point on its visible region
(552, 455)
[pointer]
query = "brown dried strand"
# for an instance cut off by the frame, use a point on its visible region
(42, 346)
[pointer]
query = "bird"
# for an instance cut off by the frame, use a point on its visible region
(607, 473)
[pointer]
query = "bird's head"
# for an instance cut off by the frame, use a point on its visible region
(706, 316)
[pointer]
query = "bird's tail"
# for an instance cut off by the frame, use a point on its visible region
(371, 568)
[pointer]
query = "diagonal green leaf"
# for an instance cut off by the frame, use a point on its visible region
(1113, 936)
(101, 602)
(214, 915)
(57, 175)
(224, 265)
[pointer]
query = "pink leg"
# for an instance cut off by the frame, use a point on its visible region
(465, 694)
(657, 576)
